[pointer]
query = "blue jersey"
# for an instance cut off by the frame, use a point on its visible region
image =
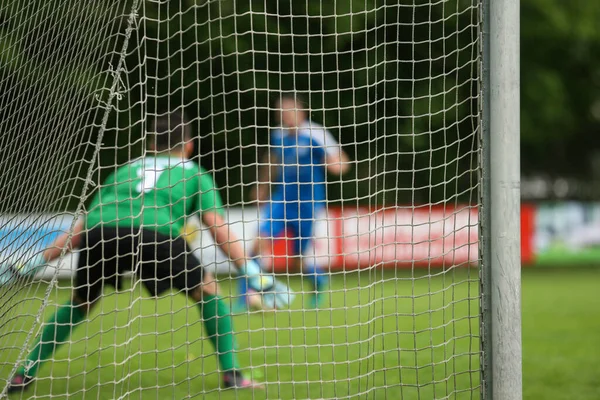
(302, 163)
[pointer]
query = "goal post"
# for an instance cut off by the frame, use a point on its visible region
(405, 265)
(501, 267)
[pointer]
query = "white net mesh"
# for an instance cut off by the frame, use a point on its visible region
(397, 84)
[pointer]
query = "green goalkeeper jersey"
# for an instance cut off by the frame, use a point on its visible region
(156, 193)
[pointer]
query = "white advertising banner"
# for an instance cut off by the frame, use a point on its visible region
(344, 238)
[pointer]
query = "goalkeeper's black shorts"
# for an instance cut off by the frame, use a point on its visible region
(159, 261)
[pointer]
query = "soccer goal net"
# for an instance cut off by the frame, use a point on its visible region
(344, 141)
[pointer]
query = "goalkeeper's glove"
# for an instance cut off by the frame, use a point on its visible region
(257, 279)
(275, 294)
(18, 267)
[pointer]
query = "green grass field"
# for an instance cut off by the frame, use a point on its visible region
(561, 333)
(387, 335)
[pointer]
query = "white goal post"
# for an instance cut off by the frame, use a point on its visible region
(501, 247)
(382, 138)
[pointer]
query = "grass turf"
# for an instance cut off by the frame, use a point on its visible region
(391, 334)
(561, 333)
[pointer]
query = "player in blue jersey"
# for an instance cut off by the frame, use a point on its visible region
(301, 153)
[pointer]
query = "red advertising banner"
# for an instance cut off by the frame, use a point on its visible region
(423, 236)
(398, 237)
(528, 215)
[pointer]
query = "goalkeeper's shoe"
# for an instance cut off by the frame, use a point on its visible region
(19, 383)
(235, 379)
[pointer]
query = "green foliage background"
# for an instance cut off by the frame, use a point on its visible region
(560, 80)
(396, 81)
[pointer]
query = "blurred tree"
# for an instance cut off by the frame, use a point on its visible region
(392, 81)
(560, 80)
(395, 81)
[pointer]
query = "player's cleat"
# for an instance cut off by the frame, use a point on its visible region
(235, 379)
(19, 383)
(316, 300)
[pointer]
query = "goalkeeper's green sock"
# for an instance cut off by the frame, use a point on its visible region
(54, 334)
(219, 327)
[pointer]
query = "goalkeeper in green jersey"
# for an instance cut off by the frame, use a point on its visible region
(134, 223)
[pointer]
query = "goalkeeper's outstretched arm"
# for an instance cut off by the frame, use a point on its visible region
(21, 265)
(275, 294)
(224, 238)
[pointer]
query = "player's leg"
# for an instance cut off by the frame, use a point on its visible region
(90, 271)
(218, 323)
(169, 263)
(56, 332)
(311, 269)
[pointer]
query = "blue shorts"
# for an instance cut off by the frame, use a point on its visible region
(296, 219)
